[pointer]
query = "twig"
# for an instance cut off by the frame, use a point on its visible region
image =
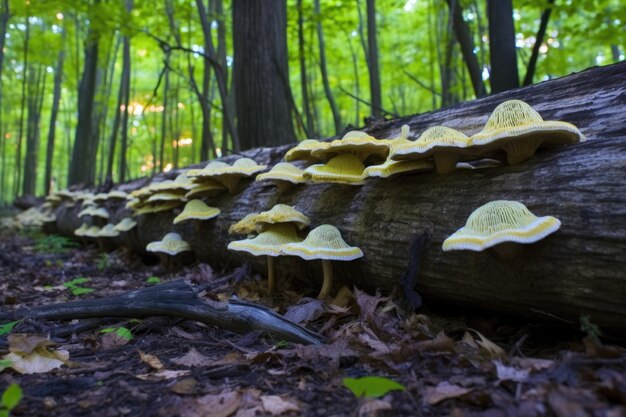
(421, 84)
(388, 113)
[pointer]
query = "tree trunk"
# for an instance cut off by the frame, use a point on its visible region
(18, 153)
(56, 98)
(35, 100)
(504, 75)
(376, 101)
(464, 37)
(532, 63)
(322, 51)
(310, 130)
(579, 270)
(126, 74)
(5, 15)
(261, 93)
(82, 167)
(166, 91)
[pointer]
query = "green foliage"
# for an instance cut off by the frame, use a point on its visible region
(121, 332)
(75, 286)
(153, 280)
(592, 330)
(54, 244)
(8, 327)
(104, 262)
(372, 386)
(10, 399)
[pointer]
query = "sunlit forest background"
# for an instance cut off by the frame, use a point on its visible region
(159, 74)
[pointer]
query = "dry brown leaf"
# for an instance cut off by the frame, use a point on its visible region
(192, 358)
(30, 354)
(373, 408)
(343, 297)
(151, 360)
(112, 340)
(490, 348)
(306, 312)
(184, 386)
(444, 391)
(276, 405)
(223, 404)
(162, 375)
(509, 373)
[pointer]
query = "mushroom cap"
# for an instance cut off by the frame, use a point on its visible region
(157, 207)
(181, 183)
(498, 222)
(176, 195)
(515, 119)
(390, 168)
(108, 231)
(100, 197)
(53, 198)
(205, 187)
(119, 195)
(94, 212)
(303, 150)
(433, 139)
(283, 171)
(323, 242)
(92, 231)
(81, 230)
(245, 226)
(125, 225)
(245, 167)
(280, 213)
(269, 242)
(209, 170)
(171, 244)
(358, 143)
(342, 169)
(198, 210)
(66, 194)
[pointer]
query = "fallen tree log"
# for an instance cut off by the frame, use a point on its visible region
(580, 270)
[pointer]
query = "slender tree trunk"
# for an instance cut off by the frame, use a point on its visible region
(466, 41)
(105, 142)
(431, 54)
(5, 15)
(37, 81)
(166, 90)
(310, 130)
(322, 53)
(82, 166)
(357, 84)
(221, 77)
(18, 154)
(372, 47)
(217, 7)
(56, 98)
(504, 74)
(126, 70)
(261, 73)
(175, 125)
(532, 63)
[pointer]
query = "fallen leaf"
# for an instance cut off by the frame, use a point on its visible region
(151, 360)
(223, 404)
(303, 313)
(163, 375)
(113, 339)
(373, 408)
(30, 354)
(343, 297)
(276, 405)
(489, 347)
(192, 358)
(509, 373)
(367, 303)
(444, 391)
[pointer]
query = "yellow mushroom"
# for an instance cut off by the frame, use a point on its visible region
(196, 210)
(284, 175)
(342, 169)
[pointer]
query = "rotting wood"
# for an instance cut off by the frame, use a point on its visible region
(577, 271)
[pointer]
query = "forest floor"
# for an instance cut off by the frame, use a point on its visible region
(447, 365)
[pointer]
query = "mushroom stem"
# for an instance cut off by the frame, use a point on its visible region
(271, 276)
(327, 266)
(445, 162)
(508, 250)
(283, 186)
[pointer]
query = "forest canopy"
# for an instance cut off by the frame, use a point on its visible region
(156, 78)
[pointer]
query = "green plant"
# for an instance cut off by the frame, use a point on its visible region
(121, 332)
(54, 244)
(104, 262)
(590, 329)
(75, 287)
(10, 399)
(8, 327)
(153, 280)
(372, 386)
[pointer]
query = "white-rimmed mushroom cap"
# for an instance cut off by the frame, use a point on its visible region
(171, 244)
(197, 210)
(323, 242)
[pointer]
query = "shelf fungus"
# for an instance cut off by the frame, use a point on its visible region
(303, 150)
(276, 226)
(341, 169)
(80, 232)
(325, 243)
(173, 251)
(519, 130)
(501, 225)
(268, 243)
(205, 187)
(445, 145)
(106, 236)
(125, 225)
(230, 176)
(357, 143)
(284, 176)
(197, 210)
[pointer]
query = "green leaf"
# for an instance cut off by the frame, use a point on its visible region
(81, 290)
(8, 327)
(124, 333)
(372, 386)
(153, 280)
(75, 282)
(11, 396)
(5, 363)
(108, 330)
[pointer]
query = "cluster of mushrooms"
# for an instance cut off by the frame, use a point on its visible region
(513, 129)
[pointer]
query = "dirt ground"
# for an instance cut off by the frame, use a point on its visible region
(449, 365)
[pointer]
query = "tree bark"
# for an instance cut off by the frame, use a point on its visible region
(126, 74)
(18, 153)
(579, 270)
(261, 93)
(324, 71)
(56, 98)
(5, 15)
(372, 49)
(304, 79)
(37, 86)
(504, 75)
